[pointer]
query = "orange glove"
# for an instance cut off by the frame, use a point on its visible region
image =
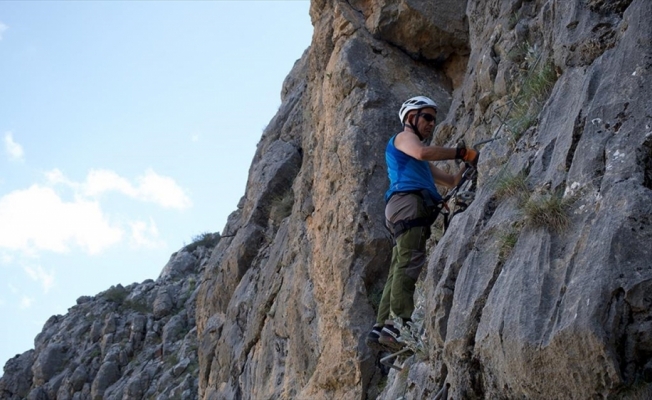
(471, 156)
(468, 155)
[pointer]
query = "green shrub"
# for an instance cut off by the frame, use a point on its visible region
(116, 294)
(138, 305)
(205, 239)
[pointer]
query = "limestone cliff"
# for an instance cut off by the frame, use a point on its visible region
(541, 289)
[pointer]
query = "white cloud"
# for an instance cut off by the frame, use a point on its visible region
(38, 219)
(44, 278)
(6, 258)
(162, 190)
(150, 187)
(101, 181)
(3, 28)
(145, 235)
(13, 149)
(56, 177)
(26, 302)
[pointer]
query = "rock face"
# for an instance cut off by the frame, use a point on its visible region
(535, 293)
(541, 289)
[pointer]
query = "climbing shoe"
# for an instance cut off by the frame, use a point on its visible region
(390, 337)
(373, 336)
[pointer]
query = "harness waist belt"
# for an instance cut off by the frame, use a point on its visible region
(400, 227)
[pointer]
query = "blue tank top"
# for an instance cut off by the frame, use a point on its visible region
(406, 173)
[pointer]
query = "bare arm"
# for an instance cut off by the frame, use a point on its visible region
(445, 179)
(409, 143)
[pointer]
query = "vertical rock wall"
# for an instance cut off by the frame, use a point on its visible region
(564, 305)
(557, 311)
(285, 318)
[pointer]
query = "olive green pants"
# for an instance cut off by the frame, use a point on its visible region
(408, 258)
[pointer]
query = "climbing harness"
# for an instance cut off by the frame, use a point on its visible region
(402, 226)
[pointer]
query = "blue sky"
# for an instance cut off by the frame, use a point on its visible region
(127, 129)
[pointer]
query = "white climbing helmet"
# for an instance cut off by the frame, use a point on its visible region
(415, 103)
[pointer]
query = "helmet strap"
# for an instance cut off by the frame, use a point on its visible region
(414, 128)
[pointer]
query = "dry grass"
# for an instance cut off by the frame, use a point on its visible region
(511, 186)
(536, 83)
(548, 211)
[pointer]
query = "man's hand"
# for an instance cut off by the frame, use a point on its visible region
(471, 156)
(468, 155)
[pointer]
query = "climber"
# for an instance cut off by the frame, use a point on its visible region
(412, 204)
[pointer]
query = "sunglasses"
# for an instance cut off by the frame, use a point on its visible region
(427, 117)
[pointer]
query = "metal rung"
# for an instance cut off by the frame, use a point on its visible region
(386, 360)
(443, 393)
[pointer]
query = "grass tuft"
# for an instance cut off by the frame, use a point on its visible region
(509, 185)
(548, 211)
(537, 81)
(540, 83)
(506, 242)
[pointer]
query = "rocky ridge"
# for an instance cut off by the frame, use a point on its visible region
(133, 342)
(540, 289)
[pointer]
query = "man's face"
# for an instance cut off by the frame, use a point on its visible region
(426, 121)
